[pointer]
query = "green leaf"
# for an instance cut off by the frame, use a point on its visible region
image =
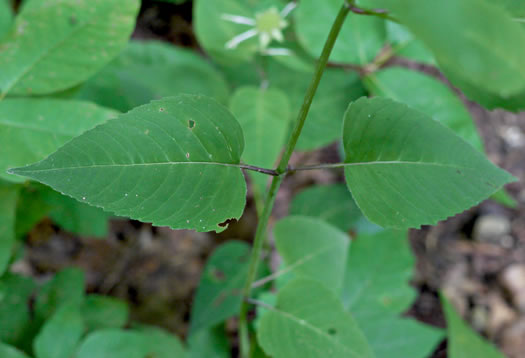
(307, 244)
(60, 335)
(428, 95)
(433, 98)
(15, 295)
(145, 71)
(113, 343)
(173, 162)
(7, 351)
(475, 42)
(218, 296)
(31, 208)
(67, 287)
(310, 321)
(161, 343)
(209, 343)
(55, 45)
(360, 40)
(77, 217)
(377, 293)
(101, 312)
(337, 88)
(331, 203)
(516, 8)
(264, 117)
(8, 200)
(406, 45)
(31, 129)
(462, 340)
(405, 169)
(6, 17)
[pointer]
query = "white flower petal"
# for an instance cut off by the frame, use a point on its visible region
(278, 35)
(264, 39)
(277, 52)
(288, 9)
(233, 43)
(238, 19)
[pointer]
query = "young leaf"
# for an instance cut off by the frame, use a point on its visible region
(462, 34)
(7, 351)
(377, 292)
(55, 45)
(60, 335)
(31, 129)
(101, 312)
(264, 117)
(462, 340)
(331, 203)
(66, 288)
(173, 162)
(151, 70)
(337, 88)
(219, 294)
(405, 169)
(428, 95)
(15, 295)
(360, 40)
(6, 17)
(8, 199)
(310, 321)
(307, 244)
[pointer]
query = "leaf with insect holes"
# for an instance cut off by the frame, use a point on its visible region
(463, 341)
(406, 170)
(55, 45)
(173, 162)
(31, 129)
(218, 296)
(309, 320)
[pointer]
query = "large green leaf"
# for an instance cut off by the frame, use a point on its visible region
(331, 203)
(433, 98)
(475, 42)
(6, 17)
(55, 45)
(463, 341)
(377, 292)
(336, 89)
(173, 162)
(104, 312)
(219, 294)
(428, 95)
(145, 71)
(31, 129)
(60, 335)
(307, 245)
(360, 40)
(264, 117)
(7, 351)
(310, 321)
(405, 169)
(15, 295)
(8, 200)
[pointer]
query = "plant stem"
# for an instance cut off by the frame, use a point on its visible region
(281, 171)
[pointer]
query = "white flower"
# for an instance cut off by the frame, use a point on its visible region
(268, 25)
